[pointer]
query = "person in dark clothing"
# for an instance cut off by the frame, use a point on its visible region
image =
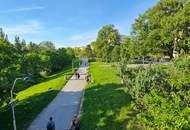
(50, 124)
(88, 78)
(78, 75)
(75, 124)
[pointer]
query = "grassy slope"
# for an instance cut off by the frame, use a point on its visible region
(31, 101)
(106, 103)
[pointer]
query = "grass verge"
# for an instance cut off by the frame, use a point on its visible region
(31, 101)
(107, 105)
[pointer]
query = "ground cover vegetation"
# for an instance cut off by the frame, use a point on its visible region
(106, 103)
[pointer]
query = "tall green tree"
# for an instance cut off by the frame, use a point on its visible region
(33, 47)
(33, 64)
(108, 37)
(88, 52)
(116, 53)
(8, 66)
(163, 29)
(2, 34)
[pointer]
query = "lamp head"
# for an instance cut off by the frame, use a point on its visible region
(26, 78)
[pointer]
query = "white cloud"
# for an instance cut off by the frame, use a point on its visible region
(22, 9)
(29, 27)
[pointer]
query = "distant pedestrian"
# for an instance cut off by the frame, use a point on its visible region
(88, 78)
(75, 124)
(78, 76)
(50, 124)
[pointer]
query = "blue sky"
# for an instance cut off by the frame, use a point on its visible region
(68, 23)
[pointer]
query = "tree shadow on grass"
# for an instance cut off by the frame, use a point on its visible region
(106, 107)
(26, 110)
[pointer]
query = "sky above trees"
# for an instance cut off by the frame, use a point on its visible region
(68, 22)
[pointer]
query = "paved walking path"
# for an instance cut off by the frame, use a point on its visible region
(64, 106)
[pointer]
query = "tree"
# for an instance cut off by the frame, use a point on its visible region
(107, 39)
(7, 55)
(59, 59)
(70, 52)
(33, 64)
(2, 34)
(33, 47)
(8, 67)
(116, 53)
(88, 52)
(17, 44)
(77, 51)
(163, 29)
(47, 46)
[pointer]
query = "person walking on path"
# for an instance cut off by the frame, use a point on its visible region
(78, 75)
(75, 124)
(64, 106)
(51, 124)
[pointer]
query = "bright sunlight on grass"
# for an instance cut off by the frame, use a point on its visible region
(31, 101)
(106, 103)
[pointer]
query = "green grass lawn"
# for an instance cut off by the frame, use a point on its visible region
(107, 106)
(31, 101)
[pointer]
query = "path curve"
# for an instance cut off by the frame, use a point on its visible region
(64, 106)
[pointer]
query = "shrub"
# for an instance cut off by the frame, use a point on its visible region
(161, 95)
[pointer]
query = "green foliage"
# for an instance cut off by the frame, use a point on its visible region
(85, 52)
(182, 63)
(33, 100)
(88, 52)
(116, 54)
(8, 67)
(161, 95)
(20, 59)
(46, 46)
(108, 37)
(59, 59)
(32, 64)
(7, 55)
(161, 30)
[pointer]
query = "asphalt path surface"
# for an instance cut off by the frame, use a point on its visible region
(64, 106)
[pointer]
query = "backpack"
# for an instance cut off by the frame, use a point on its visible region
(49, 126)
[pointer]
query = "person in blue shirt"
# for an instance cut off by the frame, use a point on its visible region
(51, 124)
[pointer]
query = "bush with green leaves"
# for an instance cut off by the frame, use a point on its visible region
(161, 95)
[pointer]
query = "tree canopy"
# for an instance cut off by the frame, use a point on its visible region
(20, 58)
(108, 37)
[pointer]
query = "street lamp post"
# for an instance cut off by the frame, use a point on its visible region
(12, 102)
(13, 112)
(72, 65)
